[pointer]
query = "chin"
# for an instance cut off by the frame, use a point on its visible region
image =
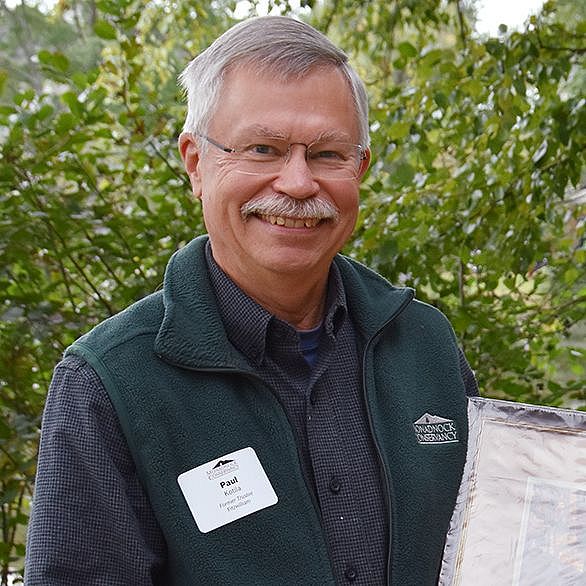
(296, 263)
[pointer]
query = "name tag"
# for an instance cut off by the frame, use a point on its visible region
(226, 489)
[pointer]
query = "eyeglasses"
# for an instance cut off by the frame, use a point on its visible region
(325, 159)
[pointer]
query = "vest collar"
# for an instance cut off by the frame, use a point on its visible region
(372, 301)
(192, 333)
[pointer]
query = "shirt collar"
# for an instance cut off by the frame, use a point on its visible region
(247, 323)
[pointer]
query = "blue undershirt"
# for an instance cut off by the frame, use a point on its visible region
(309, 342)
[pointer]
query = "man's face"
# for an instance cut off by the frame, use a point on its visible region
(254, 107)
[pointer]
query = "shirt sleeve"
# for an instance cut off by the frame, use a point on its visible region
(91, 521)
(468, 377)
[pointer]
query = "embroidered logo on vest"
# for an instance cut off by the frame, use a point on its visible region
(431, 429)
(221, 468)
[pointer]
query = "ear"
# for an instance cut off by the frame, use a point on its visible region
(364, 163)
(190, 155)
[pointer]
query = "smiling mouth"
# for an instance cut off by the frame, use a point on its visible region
(288, 212)
(290, 222)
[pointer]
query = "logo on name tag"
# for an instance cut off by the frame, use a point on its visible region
(432, 429)
(222, 468)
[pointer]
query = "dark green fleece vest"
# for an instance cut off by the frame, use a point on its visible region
(185, 397)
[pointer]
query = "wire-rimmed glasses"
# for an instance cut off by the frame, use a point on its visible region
(326, 159)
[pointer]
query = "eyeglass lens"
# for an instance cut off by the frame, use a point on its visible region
(327, 160)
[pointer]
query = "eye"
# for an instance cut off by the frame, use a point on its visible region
(330, 152)
(323, 154)
(262, 151)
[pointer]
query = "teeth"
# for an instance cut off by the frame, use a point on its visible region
(291, 222)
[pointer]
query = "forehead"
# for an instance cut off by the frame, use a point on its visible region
(314, 104)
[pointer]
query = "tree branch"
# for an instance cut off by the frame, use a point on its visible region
(55, 232)
(558, 48)
(181, 176)
(462, 25)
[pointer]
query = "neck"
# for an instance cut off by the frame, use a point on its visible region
(302, 306)
(297, 299)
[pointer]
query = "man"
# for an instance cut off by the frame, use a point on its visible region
(278, 414)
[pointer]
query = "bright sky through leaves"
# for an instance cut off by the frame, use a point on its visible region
(513, 13)
(491, 13)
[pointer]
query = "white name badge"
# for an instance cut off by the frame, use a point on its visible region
(226, 489)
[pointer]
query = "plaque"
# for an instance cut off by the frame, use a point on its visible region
(520, 516)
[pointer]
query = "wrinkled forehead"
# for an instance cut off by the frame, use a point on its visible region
(236, 81)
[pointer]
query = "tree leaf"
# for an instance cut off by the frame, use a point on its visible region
(105, 30)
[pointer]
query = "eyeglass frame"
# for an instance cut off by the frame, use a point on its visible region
(230, 150)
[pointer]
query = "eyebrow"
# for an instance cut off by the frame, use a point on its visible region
(261, 130)
(332, 135)
(264, 131)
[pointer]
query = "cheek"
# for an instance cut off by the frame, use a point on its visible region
(348, 206)
(347, 200)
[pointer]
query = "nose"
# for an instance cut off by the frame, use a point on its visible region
(296, 178)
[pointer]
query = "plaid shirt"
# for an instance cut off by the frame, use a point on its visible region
(326, 409)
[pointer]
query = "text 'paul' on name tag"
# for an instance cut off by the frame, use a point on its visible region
(227, 488)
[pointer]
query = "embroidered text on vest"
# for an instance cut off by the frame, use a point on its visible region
(431, 429)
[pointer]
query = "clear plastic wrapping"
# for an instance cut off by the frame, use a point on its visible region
(520, 517)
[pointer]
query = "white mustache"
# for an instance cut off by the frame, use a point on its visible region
(289, 207)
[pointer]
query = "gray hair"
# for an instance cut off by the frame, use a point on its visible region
(277, 45)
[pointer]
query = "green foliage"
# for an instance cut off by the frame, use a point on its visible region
(478, 146)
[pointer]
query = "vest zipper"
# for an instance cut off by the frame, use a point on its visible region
(387, 482)
(294, 432)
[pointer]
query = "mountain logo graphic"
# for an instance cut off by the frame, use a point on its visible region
(432, 429)
(221, 468)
